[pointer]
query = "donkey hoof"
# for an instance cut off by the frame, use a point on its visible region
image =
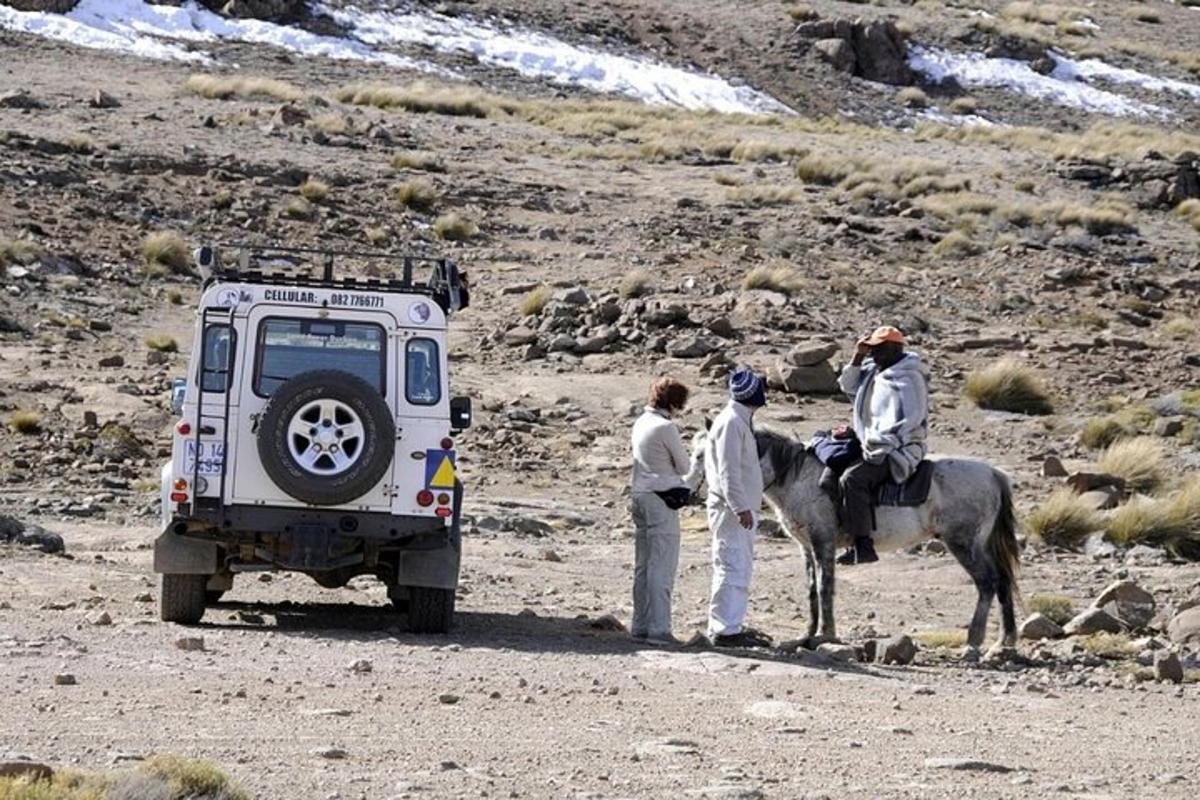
(970, 654)
(1000, 652)
(813, 642)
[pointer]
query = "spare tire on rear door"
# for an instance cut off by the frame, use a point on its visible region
(326, 437)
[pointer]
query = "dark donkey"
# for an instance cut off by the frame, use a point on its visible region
(969, 508)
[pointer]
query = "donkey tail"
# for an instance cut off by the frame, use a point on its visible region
(1002, 541)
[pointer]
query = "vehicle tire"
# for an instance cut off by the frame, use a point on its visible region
(430, 610)
(326, 437)
(213, 596)
(182, 598)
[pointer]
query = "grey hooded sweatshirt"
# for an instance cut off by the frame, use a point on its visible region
(891, 412)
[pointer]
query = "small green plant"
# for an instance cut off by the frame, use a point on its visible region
(1009, 386)
(418, 194)
(1140, 462)
(636, 284)
(162, 343)
(1064, 519)
(418, 160)
(455, 228)
(164, 252)
(779, 278)
(534, 302)
(314, 190)
(24, 421)
(1054, 607)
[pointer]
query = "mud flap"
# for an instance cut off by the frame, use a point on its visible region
(181, 555)
(436, 569)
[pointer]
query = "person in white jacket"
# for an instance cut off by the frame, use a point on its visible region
(662, 476)
(735, 488)
(891, 419)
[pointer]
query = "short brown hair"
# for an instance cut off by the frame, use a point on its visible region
(668, 393)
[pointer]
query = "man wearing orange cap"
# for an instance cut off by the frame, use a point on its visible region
(891, 418)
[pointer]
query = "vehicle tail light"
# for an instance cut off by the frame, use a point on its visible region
(447, 443)
(179, 497)
(443, 499)
(180, 484)
(424, 498)
(443, 512)
(183, 428)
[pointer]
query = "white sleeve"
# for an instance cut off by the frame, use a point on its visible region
(848, 380)
(730, 466)
(695, 472)
(675, 449)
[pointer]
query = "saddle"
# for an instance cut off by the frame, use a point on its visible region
(839, 454)
(913, 492)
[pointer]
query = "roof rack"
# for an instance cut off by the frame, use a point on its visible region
(292, 266)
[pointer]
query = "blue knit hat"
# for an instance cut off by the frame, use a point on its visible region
(747, 388)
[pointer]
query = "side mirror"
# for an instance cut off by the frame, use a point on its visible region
(460, 413)
(178, 392)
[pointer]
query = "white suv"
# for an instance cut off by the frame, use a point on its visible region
(315, 432)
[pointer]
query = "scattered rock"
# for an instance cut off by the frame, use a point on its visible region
(1039, 626)
(899, 650)
(64, 679)
(20, 99)
(691, 347)
(668, 747)
(30, 535)
(1167, 667)
(1053, 467)
(112, 361)
(1082, 482)
(551, 556)
(30, 770)
(815, 379)
(1134, 606)
(810, 353)
(361, 666)
(332, 753)
(1184, 628)
(1102, 499)
(1092, 620)
(190, 643)
(103, 618)
(102, 99)
(969, 764)
(143, 597)
(608, 622)
(1168, 428)
(519, 336)
(839, 652)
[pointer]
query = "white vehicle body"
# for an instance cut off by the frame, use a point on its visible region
(315, 434)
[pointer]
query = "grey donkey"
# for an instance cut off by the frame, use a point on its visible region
(970, 509)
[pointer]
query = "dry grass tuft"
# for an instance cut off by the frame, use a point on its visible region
(1098, 433)
(802, 12)
(1139, 461)
(964, 105)
(758, 195)
(1099, 220)
(1009, 386)
(417, 194)
(163, 252)
(1189, 211)
(939, 640)
(418, 160)
(423, 98)
(1054, 607)
(332, 124)
(535, 301)
(825, 170)
(636, 284)
(162, 343)
(217, 87)
(1063, 520)
(1180, 328)
(1172, 522)
(912, 97)
(376, 234)
(24, 421)
(18, 252)
(783, 279)
(1109, 645)
(955, 243)
(175, 297)
(299, 208)
(455, 228)
(1043, 13)
(314, 190)
(193, 778)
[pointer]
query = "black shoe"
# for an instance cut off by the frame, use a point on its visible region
(747, 637)
(863, 552)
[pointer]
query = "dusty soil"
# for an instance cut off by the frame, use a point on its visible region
(548, 705)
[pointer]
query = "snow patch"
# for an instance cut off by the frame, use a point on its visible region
(146, 30)
(976, 69)
(541, 56)
(1094, 69)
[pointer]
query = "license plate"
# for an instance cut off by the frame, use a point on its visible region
(212, 456)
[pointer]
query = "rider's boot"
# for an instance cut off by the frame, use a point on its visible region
(863, 552)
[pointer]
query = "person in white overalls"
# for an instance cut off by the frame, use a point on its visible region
(735, 488)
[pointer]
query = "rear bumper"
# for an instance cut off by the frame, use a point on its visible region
(232, 521)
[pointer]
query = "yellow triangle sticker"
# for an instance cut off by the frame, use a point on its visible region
(443, 478)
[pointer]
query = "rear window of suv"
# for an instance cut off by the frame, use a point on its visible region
(287, 347)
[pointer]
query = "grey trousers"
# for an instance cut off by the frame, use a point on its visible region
(656, 561)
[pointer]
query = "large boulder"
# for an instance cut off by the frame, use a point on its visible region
(1093, 620)
(1184, 628)
(45, 6)
(1039, 626)
(874, 50)
(811, 353)
(277, 10)
(29, 535)
(1128, 602)
(816, 379)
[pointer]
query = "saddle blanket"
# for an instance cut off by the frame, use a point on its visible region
(913, 492)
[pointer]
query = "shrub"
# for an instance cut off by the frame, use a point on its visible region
(1172, 522)
(912, 97)
(418, 194)
(535, 301)
(1064, 519)
(193, 778)
(763, 151)
(756, 195)
(774, 278)
(1180, 328)
(1009, 386)
(1100, 432)
(1189, 210)
(1139, 461)
(215, 87)
(314, 190)
(298, 208)
(1026, 185)
(455, 228)
(955, 243)
(418, 160)
(635, 284)
(166, 251)
(964, 105)
(422, 98)
(162, 343)
(222, 200)
(824, 170)
(22, 421)
(1099, 221)
(330, 123)
(1054, 607)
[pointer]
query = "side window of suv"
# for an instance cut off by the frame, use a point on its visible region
(216, 368)
(422, 373)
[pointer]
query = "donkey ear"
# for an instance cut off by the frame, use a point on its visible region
(708, 423)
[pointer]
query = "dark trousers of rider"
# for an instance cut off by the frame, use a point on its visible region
(859, 485)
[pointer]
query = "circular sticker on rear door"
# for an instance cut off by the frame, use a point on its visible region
(419, 313)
